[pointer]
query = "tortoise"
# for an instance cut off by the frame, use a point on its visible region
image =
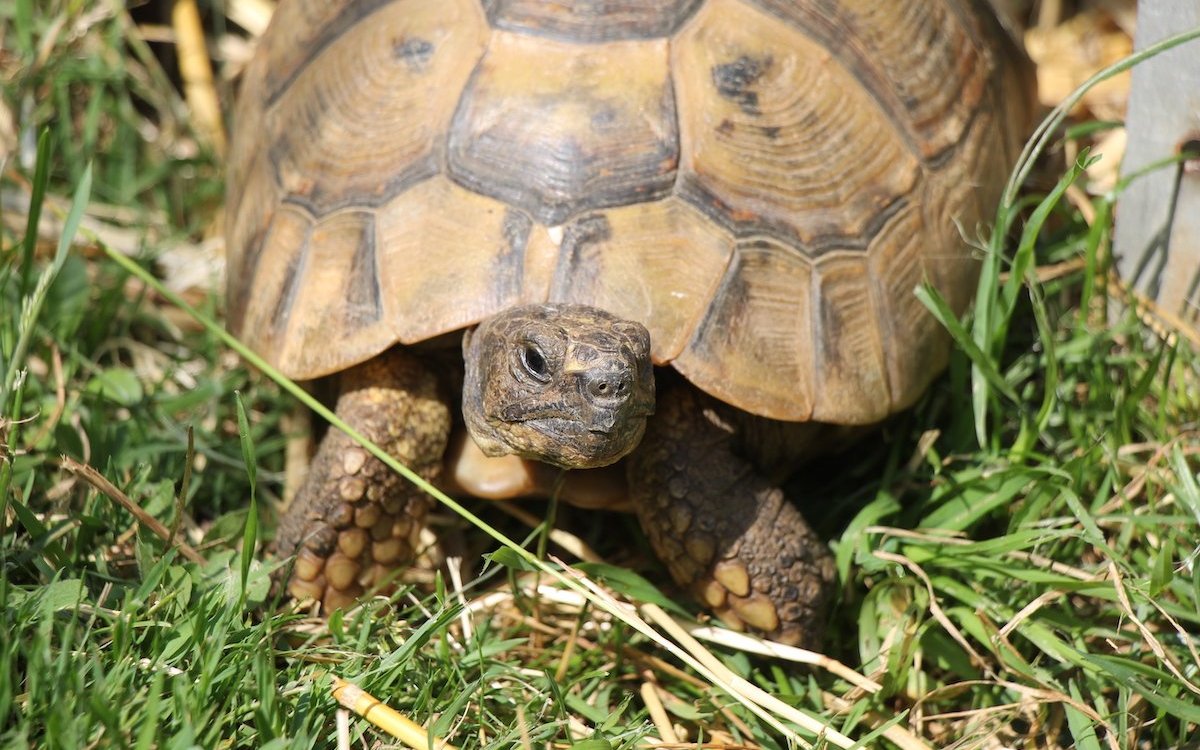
(677, 237)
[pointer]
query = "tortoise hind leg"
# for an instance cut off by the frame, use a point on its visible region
(355, 520)
(723, 530)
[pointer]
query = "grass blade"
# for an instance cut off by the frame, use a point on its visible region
(1187, 489)
(250, 531)
(32, 307)
(1022, 262)
(41, 174)
(933, 300)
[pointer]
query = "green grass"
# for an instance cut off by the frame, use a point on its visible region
(1017, 557)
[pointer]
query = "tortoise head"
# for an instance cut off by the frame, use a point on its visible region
(569, 385)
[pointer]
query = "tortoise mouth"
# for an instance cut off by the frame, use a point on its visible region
(572, 444)
(583, 416)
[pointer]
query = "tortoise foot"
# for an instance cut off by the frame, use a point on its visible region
(723, 530)
(355, 522)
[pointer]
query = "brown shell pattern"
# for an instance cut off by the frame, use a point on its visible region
(762, 183)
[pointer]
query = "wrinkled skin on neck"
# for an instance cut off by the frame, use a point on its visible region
(569, 385)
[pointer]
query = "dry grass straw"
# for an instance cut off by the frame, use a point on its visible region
(195, 68)
(381, 715)
(109, 490)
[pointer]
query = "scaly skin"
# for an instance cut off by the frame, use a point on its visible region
(722, 529)
(355, 521)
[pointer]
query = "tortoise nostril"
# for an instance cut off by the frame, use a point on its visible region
(608, 385)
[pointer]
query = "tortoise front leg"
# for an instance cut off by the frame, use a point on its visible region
(355, 521)
(722, 529)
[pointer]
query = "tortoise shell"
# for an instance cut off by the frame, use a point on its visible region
(762, 183)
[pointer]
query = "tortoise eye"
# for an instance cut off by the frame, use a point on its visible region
(534, 363)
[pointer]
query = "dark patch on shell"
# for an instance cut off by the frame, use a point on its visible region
(364, 304)
(415, 53)
(287, 294)
(735, 81)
